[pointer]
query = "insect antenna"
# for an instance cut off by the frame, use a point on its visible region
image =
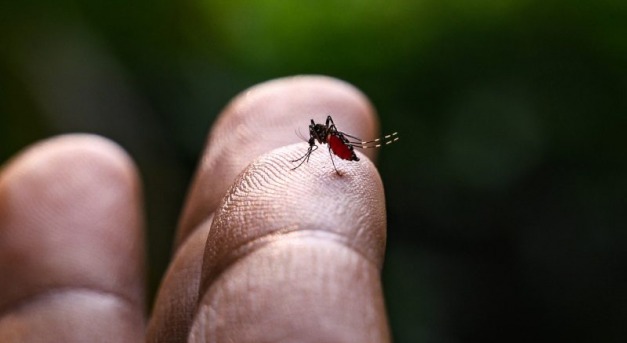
(300, 135)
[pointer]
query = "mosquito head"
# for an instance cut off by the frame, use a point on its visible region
(318, 131)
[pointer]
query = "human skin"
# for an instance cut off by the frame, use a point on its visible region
(263, 253)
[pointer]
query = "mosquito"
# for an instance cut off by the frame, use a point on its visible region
(339, 143)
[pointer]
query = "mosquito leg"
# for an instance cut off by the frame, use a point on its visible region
(353, 137)
(330, 124)
(331, 154)
(305, 157)
(391, 137)
(377, 143)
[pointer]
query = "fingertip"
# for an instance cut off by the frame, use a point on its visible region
(62, 154)
(71, 224)
(285, 239)
(312, 197)
(266, 117)
(290, 102)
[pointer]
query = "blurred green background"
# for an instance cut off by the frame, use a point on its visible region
(507, 210)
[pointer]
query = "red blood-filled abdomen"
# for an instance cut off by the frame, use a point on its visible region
(341, 149)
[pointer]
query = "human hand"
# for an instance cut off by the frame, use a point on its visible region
(284, 256)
